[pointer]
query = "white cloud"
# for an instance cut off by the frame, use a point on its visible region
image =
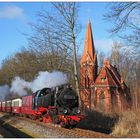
(104, 45)
(11, 12)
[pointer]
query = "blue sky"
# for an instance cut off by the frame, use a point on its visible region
(15, 16)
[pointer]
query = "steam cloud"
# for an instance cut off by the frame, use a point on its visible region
(4, 90)
(44, 79)
(18, 85)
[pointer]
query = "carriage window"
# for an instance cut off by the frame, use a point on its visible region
(8, 104)
(3, 104)
(16, 103)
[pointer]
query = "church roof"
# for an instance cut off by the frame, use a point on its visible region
(109, 75)
(105, 78)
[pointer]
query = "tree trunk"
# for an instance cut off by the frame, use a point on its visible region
(75, 68)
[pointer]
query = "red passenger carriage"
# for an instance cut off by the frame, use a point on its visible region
(27, 105)
(3, 106)
(0, 106)
(16, 106)
(8, 106)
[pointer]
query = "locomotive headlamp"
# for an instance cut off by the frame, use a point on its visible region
(78, 111)
(65, 111)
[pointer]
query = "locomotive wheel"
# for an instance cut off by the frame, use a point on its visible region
(56, 120)
(64, 125)
(33, 117)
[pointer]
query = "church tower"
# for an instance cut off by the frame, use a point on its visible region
(105, 91)
(88, 69)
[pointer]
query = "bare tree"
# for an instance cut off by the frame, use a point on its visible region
(101, 59)
(56, 33)
(128, 68)
(126, 22)
(116, 56)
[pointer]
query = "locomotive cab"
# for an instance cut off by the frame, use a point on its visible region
(42, 98)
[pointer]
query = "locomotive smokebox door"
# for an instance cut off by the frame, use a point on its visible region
(68, 98)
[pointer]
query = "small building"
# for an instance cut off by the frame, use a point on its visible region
(105, 90)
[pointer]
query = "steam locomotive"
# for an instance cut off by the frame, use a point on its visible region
(58, 105)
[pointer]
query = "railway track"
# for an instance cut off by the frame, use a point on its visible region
(5, 133)
(75, 132)
(42, 130)
(8, 131)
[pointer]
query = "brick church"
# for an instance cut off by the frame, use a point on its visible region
(104, 90)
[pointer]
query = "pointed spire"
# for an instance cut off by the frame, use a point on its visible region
(89, 39)
(89, 21)
(89, 44)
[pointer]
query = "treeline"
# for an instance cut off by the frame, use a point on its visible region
(27, 64)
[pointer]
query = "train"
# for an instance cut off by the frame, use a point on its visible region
(57, 105)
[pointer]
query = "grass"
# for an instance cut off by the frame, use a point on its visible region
(128, 124)
(121, 124)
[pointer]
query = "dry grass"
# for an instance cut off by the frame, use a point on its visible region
(128, 124)
(120, 124)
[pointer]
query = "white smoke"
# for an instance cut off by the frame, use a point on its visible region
(44, 79)
(18, 85)
(4, 90)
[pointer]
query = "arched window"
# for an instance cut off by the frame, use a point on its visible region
(88, 81)
(113, 100)
(102, 101)
(85, 82)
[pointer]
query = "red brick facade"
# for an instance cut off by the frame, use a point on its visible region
(105, 90)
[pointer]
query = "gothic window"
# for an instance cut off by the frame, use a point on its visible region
(103, 78)
(113, 100)
(88, 81)
(102, 101)
(95, 99)
(85, 82)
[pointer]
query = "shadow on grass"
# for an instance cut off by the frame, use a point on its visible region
(9, 131)
(98, 122)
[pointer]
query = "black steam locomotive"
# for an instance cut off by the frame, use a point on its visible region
(63, 97)
(61, 104)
